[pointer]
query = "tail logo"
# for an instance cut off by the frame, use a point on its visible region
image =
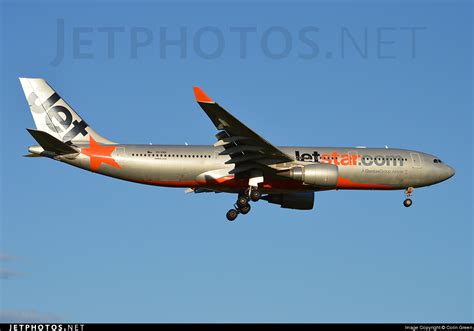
(60, 114)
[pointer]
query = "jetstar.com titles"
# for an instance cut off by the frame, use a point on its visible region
(351, 159)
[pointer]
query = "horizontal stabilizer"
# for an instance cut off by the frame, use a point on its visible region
(51, 144)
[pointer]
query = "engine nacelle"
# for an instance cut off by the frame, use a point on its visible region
(300, 200)
(321, 174)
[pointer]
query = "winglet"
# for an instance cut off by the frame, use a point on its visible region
(201, 96)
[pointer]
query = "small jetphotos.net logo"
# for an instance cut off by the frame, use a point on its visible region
(351, 159)
(46, 327)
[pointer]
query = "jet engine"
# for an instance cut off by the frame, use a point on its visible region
(300, 200)
(320, 175)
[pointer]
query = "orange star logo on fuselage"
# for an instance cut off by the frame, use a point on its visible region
(99, 154)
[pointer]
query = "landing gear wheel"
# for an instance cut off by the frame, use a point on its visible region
(255, 195)
(245, 209)
(232, 214)
(407, 203)
(242, 201)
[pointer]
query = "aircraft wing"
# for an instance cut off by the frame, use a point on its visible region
(247, 150)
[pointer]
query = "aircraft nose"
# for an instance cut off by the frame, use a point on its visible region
(449, 172)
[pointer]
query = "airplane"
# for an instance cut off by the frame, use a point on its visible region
(240, 162)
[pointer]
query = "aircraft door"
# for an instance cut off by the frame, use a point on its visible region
(119, 152)
(416, 160)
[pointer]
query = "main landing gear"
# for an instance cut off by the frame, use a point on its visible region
(255, 195)
(232, 214)
(408, 192)
(242, 206)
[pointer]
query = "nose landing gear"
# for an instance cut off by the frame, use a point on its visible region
(408, 192)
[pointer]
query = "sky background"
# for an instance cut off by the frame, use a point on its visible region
(76, 246)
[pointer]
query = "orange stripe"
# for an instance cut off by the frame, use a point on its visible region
(227, 181)
(231, 182)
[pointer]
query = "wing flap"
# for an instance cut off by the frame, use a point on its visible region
(244, 168)
(244, 158)
(240, 149)
(229, 140)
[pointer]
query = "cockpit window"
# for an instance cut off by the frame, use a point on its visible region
(437, 161)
